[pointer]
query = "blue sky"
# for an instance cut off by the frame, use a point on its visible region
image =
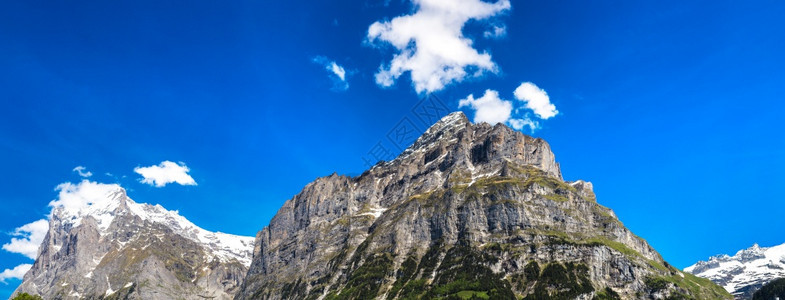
(672, 109)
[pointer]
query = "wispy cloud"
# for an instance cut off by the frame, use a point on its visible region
(496, 32)
(518, 124)
(492, 109)
(82, 171)
(430, 44)
(164, 173)
(337, 72)
(28, 238)
(16, 273)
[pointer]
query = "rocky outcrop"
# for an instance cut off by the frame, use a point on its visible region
(118, 249)
(467, 210)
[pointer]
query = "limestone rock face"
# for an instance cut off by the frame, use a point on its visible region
(467, 210)
(119, 249)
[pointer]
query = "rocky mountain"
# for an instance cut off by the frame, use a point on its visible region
(467, 211)
(744, 273)
(103, 245)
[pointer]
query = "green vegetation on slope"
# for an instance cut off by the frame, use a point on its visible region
(698, 288)
(557, 281)
(607, 294)
(26, 296)
(364, 283)
(461, 271)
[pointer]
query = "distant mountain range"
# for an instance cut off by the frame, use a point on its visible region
(744, 273)
(469, 211)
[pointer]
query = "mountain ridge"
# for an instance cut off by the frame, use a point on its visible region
(467, 211)
(746, 271)
(102, 244)
(464, 195)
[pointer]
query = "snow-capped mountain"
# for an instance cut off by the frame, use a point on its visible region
(101, 243)
(745, 272)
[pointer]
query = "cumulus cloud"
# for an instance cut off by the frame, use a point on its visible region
(430, 44)
(16, 273)
(536, 99)
(337, 72)
(164, 173)
(76, 197)
(492, 109)
(489, 108)
(82, 171)
(28, 238)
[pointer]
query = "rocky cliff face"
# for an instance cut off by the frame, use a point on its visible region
(467, 210)
(114, 248)
(744, 273)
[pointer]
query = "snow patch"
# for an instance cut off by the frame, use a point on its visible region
(376, 212)
(109, 290)
(480, 176)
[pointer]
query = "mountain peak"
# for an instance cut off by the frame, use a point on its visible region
(454, 141)
(100, 243)
(479, 204)
(453, 119)
(105, 202)
(744, 272)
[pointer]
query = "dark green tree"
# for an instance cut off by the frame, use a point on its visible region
(771, 290)
(26, 296)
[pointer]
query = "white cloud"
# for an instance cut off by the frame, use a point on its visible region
(76, 197)
(536, 99)
(496, 32)
(28, 238)
(16, 273)
(430, 43)
(518, 124)
(164, 173)
(82, 171)
(489, 108)
(337, 72)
